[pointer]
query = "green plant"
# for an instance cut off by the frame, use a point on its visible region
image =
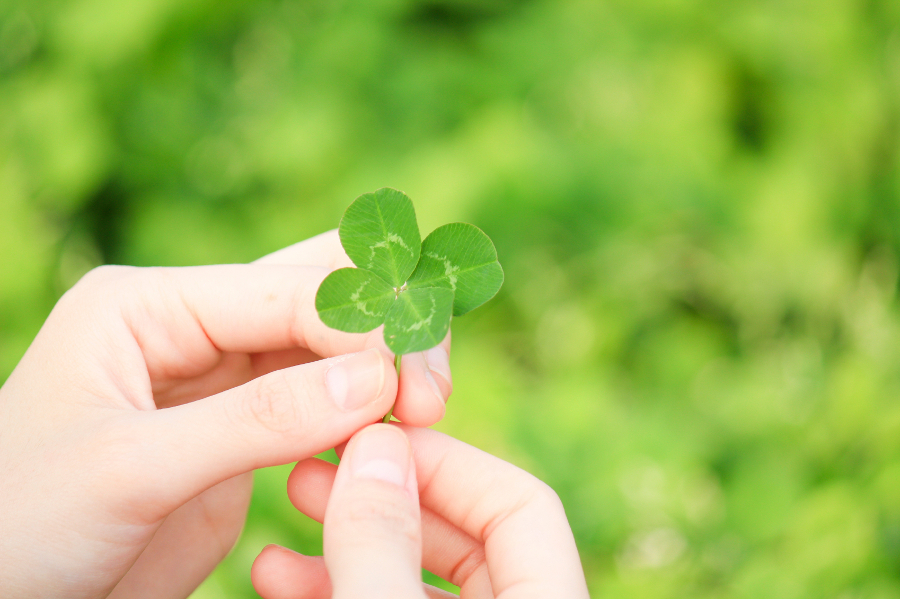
(411, 286)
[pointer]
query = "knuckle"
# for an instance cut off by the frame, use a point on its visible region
(154, 282)
(96, 291)
(544, 494)
(535, 493)
(530, 489)
(128, 286)
(159, 275)
(274, 404)
(99, 280)
(524, 493)
(106, 273)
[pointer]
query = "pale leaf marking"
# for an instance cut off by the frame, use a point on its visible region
(391, 238)
(450, 269)
(361, 306)
(427, 321)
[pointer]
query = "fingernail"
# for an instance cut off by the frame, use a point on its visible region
(382, 453)
(434, 386)
(274, 547)
(439, 363)
(356, 380)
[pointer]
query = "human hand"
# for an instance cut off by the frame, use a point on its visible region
(486, 526)
(115, 480)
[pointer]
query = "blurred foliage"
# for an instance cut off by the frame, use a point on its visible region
(697, 204)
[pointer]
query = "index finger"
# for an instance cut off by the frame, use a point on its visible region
(183, 320)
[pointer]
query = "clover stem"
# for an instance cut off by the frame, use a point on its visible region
(387, 417)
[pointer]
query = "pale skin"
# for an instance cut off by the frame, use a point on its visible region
(130, 429)
(404, 498)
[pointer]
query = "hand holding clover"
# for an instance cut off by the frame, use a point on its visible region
(413, 287)
(132, 424)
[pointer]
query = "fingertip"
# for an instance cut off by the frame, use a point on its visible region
(391, 382)
(421, 396)
(309, 486)
(437, 359)
(277, 418)
(279, 573)
(381, 452)
(262, 560)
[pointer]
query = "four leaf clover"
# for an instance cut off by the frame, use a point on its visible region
(411, 286)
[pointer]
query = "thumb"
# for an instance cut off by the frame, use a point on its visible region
(373, 532)
(284, 416)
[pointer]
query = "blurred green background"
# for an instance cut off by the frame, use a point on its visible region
(697, 204)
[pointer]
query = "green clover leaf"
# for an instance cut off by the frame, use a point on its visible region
(418, 320)
(461, 257)
(379, 232)
(412, 287)
(354, 300)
